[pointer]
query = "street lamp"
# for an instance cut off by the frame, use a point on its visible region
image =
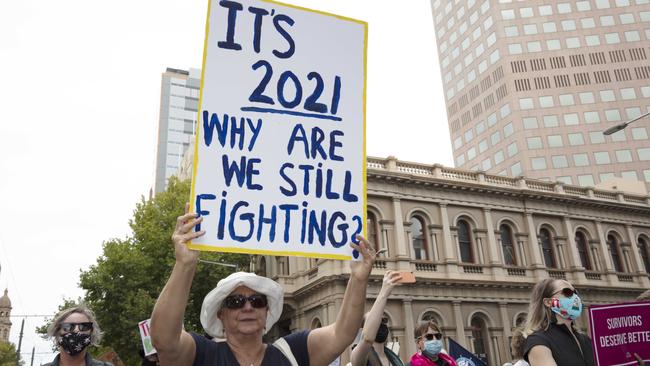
(621, 126)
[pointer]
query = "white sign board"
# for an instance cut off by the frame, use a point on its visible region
(145, 335)
(279, 161)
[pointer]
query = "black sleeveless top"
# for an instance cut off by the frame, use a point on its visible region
(210, 353)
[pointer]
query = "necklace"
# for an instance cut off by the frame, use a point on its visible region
(257, 360)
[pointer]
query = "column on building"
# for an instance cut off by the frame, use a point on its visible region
(403, 253)
(460, 324)
(496, 263)
(574, 257)
(409, 328)
(606, 258)
(505, 320)
(449, 256)
(533, 248)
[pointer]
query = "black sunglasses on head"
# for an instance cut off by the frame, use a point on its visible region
(430, 336)
(567, 292)
(69, 327)
(238, 301)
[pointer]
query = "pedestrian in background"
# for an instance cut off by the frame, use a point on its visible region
(73, 331)
(372, 350)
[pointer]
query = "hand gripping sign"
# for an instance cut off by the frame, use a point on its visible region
(279, 160)
(618, 331)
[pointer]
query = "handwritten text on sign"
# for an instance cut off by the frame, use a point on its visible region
(279, 159)
(620, 330)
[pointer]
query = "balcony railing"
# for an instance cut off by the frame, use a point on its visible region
(558, 275)
(441, 172)
(472, 269)
(425, 266)
(595, 276)
(516, 272)
(625, 278)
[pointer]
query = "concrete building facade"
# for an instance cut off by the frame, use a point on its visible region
(477, 243)
(179, 100)
(5, 317)
(531, 85)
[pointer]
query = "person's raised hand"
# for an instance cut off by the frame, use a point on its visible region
(361, 269)
(391, 279)
(184, 232)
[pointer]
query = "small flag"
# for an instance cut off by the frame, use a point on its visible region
(462, 356)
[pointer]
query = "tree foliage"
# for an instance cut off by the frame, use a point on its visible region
(8, 354)
(122, 287)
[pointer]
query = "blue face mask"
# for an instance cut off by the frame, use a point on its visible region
(433, 347)
(567, 307)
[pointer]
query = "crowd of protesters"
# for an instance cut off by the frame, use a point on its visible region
(243, 307)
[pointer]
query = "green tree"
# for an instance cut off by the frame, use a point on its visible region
(122, 287)
(8, 354)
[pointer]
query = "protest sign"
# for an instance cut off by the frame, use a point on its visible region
(618, 331)
(145, 335)
(279, 160)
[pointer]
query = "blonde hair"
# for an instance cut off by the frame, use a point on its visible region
(55, 326)
(517, 344)
(539, 316)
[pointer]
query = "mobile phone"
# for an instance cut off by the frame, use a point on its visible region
(407, 277)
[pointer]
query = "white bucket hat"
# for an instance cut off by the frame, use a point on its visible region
(212, 301)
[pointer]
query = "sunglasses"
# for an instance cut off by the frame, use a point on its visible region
(82, 327)
(238, 301)
(567, 292)
(430, 336)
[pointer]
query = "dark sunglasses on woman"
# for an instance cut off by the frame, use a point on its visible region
(82, 327)
(430, 336)
(567, 292)
(238, 301)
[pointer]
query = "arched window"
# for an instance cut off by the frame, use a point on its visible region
(419, 238)
(612, 246)
(643, 250)
(480, 338)
(431, 316)
(465, 242)
(583, 249)
(315, 324)
(507, 244)
(373, 229)
(261, 271)
(520, 320)
(547, 248)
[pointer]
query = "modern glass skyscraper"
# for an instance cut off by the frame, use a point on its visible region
(179, 99)
(531, 85)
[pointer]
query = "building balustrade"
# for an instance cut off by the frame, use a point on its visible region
(472, 269)
(558, 275)
(594, 276)
(516, 271)
(625, 278)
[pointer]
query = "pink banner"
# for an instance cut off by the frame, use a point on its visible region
(618, 331)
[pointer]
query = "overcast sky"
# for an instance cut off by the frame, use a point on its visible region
(79, 102)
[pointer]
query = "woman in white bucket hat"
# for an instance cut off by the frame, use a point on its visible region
(241, 309)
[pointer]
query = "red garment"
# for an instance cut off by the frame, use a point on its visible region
(421, 360)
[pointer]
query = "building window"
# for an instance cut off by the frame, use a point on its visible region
(614, 250)
(623, 156)
(534, 142)
(480, 338)
(644, 250)
(316, 323)
(373, 230)
(596, 137)
(547, 248)
(576, 139)
(507, 244)
(586, 180)
(602, 157)
(530, 123)
(419, 241)
(583, 250)
(538, 163)
(554, 140)
(465, 242)
(560, 161)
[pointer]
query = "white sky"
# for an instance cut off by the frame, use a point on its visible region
(80, 96)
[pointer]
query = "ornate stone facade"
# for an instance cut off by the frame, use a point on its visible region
(477, 244)
(5, 313)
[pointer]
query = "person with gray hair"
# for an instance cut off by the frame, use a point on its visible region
(73, 330)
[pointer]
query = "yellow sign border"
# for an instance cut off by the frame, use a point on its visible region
(195, 159)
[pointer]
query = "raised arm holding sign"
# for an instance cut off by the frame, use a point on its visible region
(241, 309)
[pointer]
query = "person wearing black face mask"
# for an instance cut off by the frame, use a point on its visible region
(372, 351)
(73, 330)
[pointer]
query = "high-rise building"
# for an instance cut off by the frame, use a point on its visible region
(530, 86)
(179, 100)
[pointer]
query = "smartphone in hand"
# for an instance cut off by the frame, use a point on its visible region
(406, 277)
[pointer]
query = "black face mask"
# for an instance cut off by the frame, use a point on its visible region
(382, 333)
(74, 343)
